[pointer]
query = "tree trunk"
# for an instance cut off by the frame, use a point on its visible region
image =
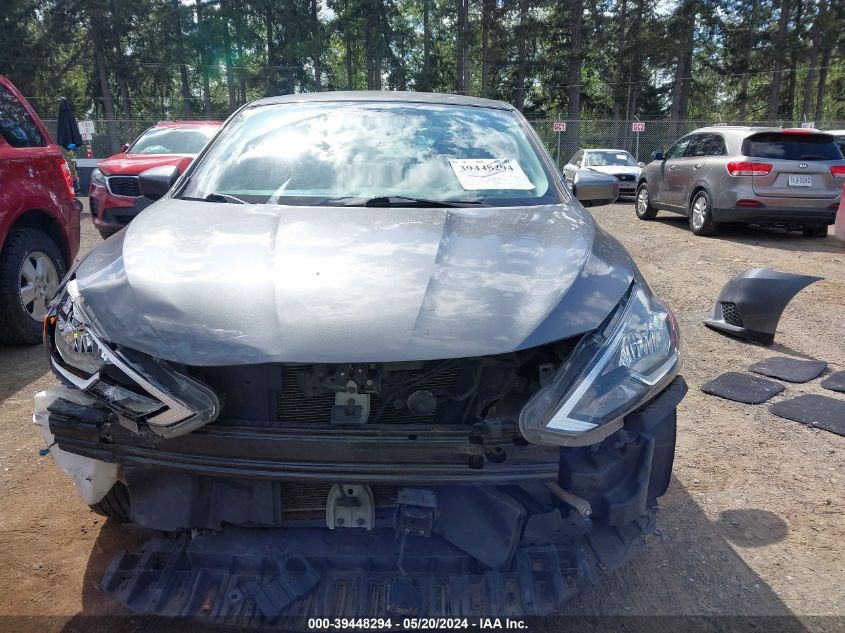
(749, 49)
(576, 61)
(683, 67)
(181, 54)
(426, 74)
(621, 56)
(779, 58)
(822, 85)
(795, 56)
(807, 97)
(271, 87)
(486, 17)
(230, 71)
(105, 89)
(317, 46)
(206, 87)
(461, 61)
(521, 51)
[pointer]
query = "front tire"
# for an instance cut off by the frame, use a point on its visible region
(31, 267)
(115, 505)
(701, 220)
(642, 204)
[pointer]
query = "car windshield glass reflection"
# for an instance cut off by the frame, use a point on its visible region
(610, 159)
(172, 140)
(330, 153)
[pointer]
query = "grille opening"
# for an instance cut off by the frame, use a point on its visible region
(294, 406)
(731, 315)
(125, 186)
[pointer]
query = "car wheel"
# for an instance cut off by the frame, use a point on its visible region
(107, 233)
(31, 267)
(642, 204)
(814, 231)
(115, 505)
(700, 217)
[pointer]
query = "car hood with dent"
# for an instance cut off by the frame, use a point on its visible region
(205, 283)
(134, 164)
(615, 170)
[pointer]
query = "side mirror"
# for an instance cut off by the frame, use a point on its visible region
(641, 164)
(124, 147)
(657, 156)
(156, 182)
(594, 189)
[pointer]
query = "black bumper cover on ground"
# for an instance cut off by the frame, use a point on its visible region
(255, 576)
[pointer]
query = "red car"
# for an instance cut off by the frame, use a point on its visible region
(114, 194)
(39, 218)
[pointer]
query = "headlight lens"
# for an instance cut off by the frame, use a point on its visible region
(74, 342)
(609, 374)
(98, 178)
(136, 387)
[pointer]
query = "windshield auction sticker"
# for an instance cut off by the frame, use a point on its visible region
(476, 174)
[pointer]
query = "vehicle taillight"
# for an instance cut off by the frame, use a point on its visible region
(837, 171)
(746, 168)
(68, 177)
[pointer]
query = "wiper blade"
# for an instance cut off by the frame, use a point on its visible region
(216, 197)
(404, 201)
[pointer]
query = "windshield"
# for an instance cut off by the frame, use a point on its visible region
(332, 153)
(610, 158)
(173, 140)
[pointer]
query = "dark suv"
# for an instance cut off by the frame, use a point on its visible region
(39, 218)
(771, 176)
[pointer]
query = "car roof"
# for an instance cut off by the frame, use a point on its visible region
(747, 130)
(374, 96)
(605, 149)
(187, 123)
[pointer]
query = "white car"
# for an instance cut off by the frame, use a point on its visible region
(615, 162)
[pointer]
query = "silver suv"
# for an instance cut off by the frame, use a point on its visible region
(773, 176)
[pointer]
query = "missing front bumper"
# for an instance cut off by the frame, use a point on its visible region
(214, 577)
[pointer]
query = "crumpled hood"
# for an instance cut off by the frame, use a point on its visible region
(222, 284)
(615, 170)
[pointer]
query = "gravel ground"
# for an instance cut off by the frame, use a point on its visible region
(752, 524)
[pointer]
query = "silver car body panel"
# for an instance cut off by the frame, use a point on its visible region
(204, 283)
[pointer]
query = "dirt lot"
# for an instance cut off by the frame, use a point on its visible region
(753, 522)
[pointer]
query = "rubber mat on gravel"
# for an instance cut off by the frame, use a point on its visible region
(743, 388)
(789, 369)
(811, 409)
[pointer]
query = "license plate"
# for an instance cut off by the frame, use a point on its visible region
(800, 181)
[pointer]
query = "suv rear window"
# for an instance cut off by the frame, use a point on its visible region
(16, 126)
(779, 145)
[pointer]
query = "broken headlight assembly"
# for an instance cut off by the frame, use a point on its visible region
(139, 389)
(611, 372)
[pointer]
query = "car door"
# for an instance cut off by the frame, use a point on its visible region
(671, 169)
(30, 170)
(572, 166)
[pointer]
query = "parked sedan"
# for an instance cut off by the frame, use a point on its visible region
(374, 350)
(615, 162)
(770, 176)
(114, 194)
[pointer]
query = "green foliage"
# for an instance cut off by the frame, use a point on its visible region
(197, 58)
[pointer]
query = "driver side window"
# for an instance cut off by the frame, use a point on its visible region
(678, 149)
(576, 160)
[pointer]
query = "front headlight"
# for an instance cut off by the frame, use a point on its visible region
(98, 178)
(611, 373)
(137, 388)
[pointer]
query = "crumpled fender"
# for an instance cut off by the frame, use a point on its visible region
(751, 303)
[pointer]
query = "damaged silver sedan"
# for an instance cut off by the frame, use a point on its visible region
(367, 356)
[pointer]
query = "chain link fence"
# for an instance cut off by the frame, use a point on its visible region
(657, 135)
